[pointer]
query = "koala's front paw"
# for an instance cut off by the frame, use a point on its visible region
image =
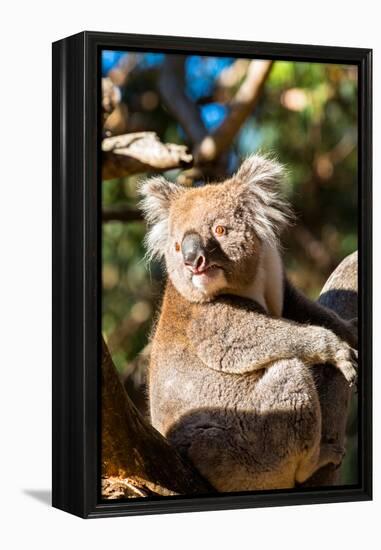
(345, 360)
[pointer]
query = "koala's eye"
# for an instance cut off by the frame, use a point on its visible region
(220, 230)
(177, 247)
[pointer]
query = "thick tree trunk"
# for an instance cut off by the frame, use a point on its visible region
(136, 460)
(339, 294)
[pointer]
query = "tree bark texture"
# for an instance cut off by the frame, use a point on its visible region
(339, 294)
(129, 154)
(137, 460)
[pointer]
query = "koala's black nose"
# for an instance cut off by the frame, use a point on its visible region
(193, 252)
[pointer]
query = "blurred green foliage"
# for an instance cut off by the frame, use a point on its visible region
(307, 116)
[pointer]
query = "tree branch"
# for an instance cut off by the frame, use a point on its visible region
(241, 106)
(140, 152)
(340, 291)
(136, 459)
(121, 214)
(172, 90)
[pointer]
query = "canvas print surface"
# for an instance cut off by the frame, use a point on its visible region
(229, 205)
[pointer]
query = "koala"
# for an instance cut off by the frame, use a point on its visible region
(230, 379)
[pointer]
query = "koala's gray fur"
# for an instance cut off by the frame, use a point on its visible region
(230, 383)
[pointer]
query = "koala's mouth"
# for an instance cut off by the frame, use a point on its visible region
(209, 270)
(210, 280)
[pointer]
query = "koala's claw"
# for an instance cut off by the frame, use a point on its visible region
(346, 361)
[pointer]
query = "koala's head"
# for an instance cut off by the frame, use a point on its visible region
(211, 237)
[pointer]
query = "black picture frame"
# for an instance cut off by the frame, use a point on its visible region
(76, 272)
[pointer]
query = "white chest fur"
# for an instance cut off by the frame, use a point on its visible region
(268, 287)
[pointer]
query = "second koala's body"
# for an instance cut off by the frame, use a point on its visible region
(230, 383)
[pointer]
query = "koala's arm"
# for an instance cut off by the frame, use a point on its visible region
(299, 308)
(237, 340)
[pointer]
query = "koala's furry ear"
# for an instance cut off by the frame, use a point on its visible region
(157, 194)
(261, 179)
